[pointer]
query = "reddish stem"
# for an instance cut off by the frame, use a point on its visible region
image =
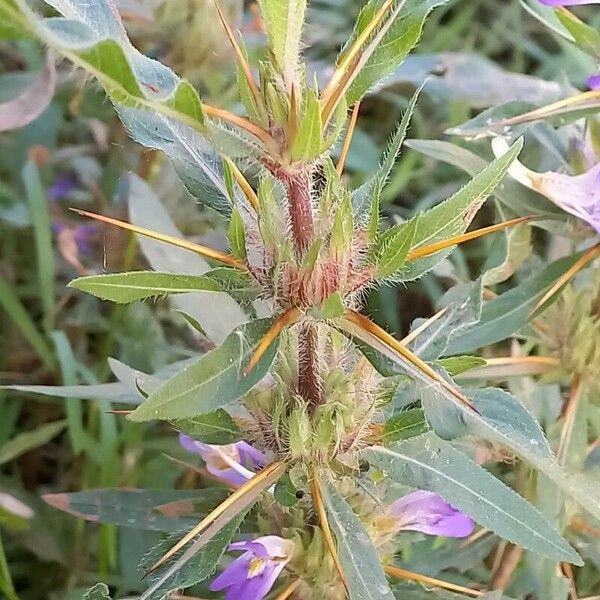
(309, 378)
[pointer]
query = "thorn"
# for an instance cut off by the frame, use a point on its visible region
(241, 59)
(384, 337)
(268, 472)
(465, 237)
(288, 318)
(167, 239)
(250, 194)
(540, 113)
(225, 115)
(320, 510)
(404, 574)
(423, 326)
(348, 57)
(348, 139)
(586, 258)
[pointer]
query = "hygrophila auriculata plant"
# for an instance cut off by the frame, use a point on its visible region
(301, 410)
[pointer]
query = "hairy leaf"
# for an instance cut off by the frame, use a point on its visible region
(428, 463)
(399, 39)
(156, 510)
(215, 380)
(364, 574)
(124, 288)
(363, 197)
(453, 216)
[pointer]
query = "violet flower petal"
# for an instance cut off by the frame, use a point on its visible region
(593, 82)
(62, 187)
(578, 195)
(429, 513)
(252, 575)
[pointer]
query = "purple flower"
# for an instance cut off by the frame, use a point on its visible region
(429, 513)
(593, 82)
(578, 195)
(62, 187)
(233, 463)
(252, 575)
(568, 2)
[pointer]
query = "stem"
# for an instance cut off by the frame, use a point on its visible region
(309, 379)
(298, 186)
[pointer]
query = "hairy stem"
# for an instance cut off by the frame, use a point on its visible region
(309, 378)
(298, 186)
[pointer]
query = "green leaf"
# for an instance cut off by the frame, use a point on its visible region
(215, 380)
(13, 26)
(453, 216)
(520, 200)
(237, 235)
(153, 510)
(284, 21)
(368, 193)
(159, 109)
(333, 307)
(392, 248)
(402, 35)
(212, 428)
(426, 462)
(360, 562)
(455, 365)
(404, 425)
(10, 302)
(98, 592)
(235, 282)
(506, 314)
(285, 492)
(38, 210)
(201, 566)
(587, 38)
(24, 442)
(307, 143)
(124, 288)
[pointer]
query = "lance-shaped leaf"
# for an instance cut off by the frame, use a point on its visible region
(428, 463)
(307, 142)
(197, 164)
(215, 380)
(393, 47)
(506, 314)
(24, 442)
(453, 216)
(160, 110)
(513, 195)
(284, 21)
(364, 575)
(212, 428)
(198, 568)
(363, 197)
(406, 424)
(124, 288)
(156, 510)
